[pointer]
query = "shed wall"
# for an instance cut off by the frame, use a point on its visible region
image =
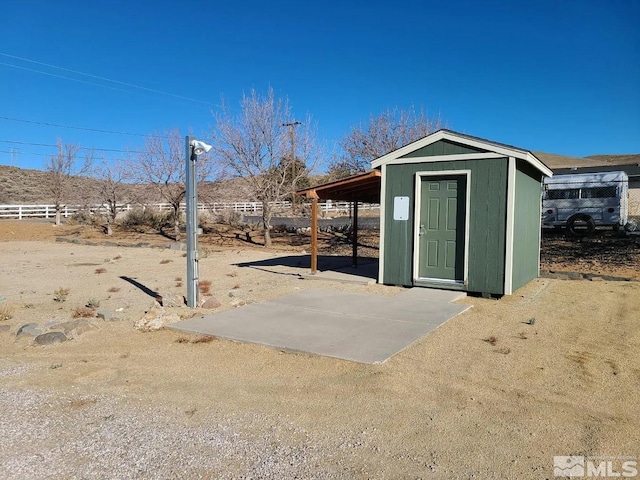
(526, 231)
(487, 227)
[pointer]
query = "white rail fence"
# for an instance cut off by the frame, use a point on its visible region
(49, 211)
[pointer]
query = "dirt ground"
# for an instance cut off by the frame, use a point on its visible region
(496, 392)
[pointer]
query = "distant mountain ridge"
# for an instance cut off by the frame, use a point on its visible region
(553, 160)
(20, 186)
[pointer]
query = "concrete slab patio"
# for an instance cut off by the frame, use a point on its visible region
(357, 327)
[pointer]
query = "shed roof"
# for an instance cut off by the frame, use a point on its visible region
(463, 139)
(364, 187)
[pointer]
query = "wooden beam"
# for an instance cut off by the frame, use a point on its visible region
(354, 236)
(314, 236)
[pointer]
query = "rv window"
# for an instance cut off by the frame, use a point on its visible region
(599, 192)
(564, 194)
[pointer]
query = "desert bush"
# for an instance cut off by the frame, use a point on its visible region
(228, 217)
(93, 303)
(139, 217)
(85, 217)
(60, 295)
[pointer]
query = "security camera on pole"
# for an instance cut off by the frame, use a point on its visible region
(193, 149)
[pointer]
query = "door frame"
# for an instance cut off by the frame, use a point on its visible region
(416, 229)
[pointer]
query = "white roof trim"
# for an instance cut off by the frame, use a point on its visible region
(464, 140)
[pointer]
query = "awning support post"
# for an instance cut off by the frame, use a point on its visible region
(354, 236)
(314, 235)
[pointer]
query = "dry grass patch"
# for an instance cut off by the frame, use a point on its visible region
(165, 261)
(98, 271)
(114, 290)
(204, 286)
(6, 312)
(492, 340)
(83, 312)
(203, 339)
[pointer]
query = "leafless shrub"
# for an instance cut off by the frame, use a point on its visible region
(165, 261)
(98, 271)
(114, 290)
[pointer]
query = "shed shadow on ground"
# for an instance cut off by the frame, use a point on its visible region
(301, 264)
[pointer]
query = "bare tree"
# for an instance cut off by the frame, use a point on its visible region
(384, 133)
(254, 144)
(61, 168)
(162, 165)
(112, 190)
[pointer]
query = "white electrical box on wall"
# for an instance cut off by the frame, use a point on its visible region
(401, 208)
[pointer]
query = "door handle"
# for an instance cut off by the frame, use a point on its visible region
(422, 230)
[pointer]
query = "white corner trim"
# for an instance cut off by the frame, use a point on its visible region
(511, 208)
(416, 218)
(383, 213)
(539, 227)
(533, 160)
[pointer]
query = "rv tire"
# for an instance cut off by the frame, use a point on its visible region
(580, 225)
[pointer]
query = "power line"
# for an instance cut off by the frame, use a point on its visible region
(16, 142)
(105, 79)
(87, 129)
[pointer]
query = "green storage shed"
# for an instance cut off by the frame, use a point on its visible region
(460, 212)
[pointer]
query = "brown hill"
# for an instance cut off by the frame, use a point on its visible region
(553, 160)
(20, 186)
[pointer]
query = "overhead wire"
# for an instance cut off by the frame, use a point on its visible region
(87, 129)
(98, 77)
(97, 130)
(33, 144)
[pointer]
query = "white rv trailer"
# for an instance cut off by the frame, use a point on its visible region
(582, 202)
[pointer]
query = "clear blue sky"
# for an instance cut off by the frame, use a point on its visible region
(554, 76)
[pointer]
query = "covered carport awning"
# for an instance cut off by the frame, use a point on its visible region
(364, 187)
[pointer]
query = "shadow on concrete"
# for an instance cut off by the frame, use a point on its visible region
(326, 263)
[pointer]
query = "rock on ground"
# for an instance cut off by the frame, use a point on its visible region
(51, 338)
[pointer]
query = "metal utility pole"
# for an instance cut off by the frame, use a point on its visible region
(193, 148)
(192, 225)
(292, 137)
